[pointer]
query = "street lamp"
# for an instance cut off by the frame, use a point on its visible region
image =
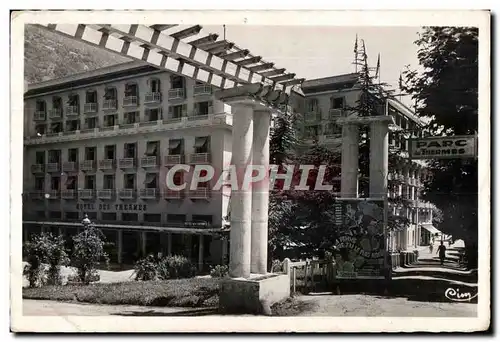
(86, 221)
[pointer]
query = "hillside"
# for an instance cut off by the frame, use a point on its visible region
(48, 56)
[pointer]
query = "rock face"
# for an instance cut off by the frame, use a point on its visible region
(48, 55)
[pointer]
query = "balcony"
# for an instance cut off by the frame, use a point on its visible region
(68, 194)
(70, 166)
(173, 194)
(53, 167)
(130, 101)
(199, 158)
(126, 193)
(72, 111)
(199, 194)
(55, 113)
(174, 159)
(176, 94)
(87, 165)
(150, 123)
(149, 161)
(105, 194)
(89, 108)
(53, 194)
(86, 194)
(107, 164)
(149, 193)
(198, 117)
(109, 104)
(202, 89)
(126, 163)
(335, 113)
(152, 97)
(37, 168)
(312, 117)
(39, 115)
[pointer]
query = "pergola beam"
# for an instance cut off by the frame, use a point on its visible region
(292, 82)
(162, 27)
(205, 40)
(191, 31)
(235, 55)
(261, 67)
(282, 78)
(274, 72)
(248, 61)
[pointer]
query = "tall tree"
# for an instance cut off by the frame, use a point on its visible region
(447, 92)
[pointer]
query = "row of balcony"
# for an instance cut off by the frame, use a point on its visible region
(128, 101)
(126, 194)
(122, 163)
(333, 114)
(408, 180)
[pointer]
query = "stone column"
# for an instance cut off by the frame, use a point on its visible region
(379, 158)
(119, 245)
(350, 158)
(200, 253)
(260, 193)
(241, 199)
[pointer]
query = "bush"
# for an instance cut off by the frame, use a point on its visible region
(219, 271)
(170, 267)
(148, 268)
(88, 252)
(276, 266)
(178, 267)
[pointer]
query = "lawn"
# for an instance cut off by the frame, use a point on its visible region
(192, 292)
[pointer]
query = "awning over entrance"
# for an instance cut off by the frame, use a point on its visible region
(431, 229)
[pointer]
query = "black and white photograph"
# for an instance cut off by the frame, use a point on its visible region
(253, 172)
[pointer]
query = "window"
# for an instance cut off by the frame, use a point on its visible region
(398, 120)
(203, 108)
(41, 106)
(312, 105)
(90, 153)
(176, 218)
(91, 123)
(131, 118)
(176, 82)
(109, 182)
(131, 89)
(41, 129)
(109, 151)
(57, 102)
(152, 217)
(90, 182)
(108, 216)
(72, 215)
(175, 147)
(153, 114)
(110, 93)
(40, 157)
(71, 183)
(151, 180)
(177, 112)
(312, 131)
(55, 215)
(337, 103)
(91, 96)
(333, 129)
(54, 156)
(72, 125)
(152, 148)
(73, 155)
(56, 127)
(129, 181)
(155, 85)
(403, 123)
(73, 100)
(129, 150)
(203, 218)
(110, 120)
(201, 145)
(130, 217)
(40, 183)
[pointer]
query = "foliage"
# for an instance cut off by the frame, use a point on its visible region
(193, 292)
(147, 268)
(88, 252)
(447, 92)
(179, 267)
(56, 257)
(163, 268)
(219, 271)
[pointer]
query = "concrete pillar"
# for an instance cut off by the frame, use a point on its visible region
(350, 158)
(119, 245)
(200, 253)
(241, 199)
(169, 244)
(379, 158)
(260, 193)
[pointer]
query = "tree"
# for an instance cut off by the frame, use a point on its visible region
(88, 253)
(446, 91)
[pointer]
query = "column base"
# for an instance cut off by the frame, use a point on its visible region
(254, 295)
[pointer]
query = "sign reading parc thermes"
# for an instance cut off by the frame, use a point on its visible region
(463, 146)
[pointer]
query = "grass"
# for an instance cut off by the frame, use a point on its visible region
(192, 292)
(291, 307)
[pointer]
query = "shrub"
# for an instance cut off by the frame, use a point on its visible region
(56, 257)
(178, 267)
(170, 267)
(276, 266)
(148, 268)
(88, 252)
(219, 271)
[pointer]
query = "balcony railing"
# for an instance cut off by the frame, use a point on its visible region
(129, 101)
(106, 164)
(39, 115)
(198, 117)
(149, 193)
(202, 89)
(53, 194)
(199, 194)
(199, 158)
(70, 166)
(37, 168)
(109, 104)
(53, 167)
(90, 107)
(174, 159)
(68, 194)
(173, 194)
(149, 161)
(172, 120)
(86, 194)
(87, 165)
(55, 113)
(312, 116)
(126, 193)
(105, 193)
(149, 122)
(126, 163)
(72, 111)
(176, 93)
(335, 113)
(152, 97)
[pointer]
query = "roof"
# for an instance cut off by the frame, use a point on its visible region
(344, 78)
